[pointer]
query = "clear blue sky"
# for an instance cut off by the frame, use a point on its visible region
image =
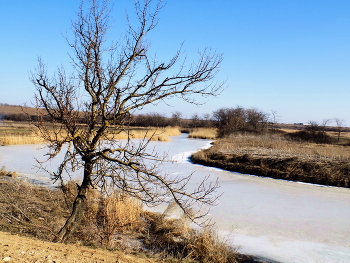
(291, 56)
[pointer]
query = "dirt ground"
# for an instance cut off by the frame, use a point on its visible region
(15, 248)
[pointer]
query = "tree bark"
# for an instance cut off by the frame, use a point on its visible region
(78, 207)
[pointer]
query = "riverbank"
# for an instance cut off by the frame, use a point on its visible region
(121, 230)
(273, 156)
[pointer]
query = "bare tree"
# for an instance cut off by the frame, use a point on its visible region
(324, 125)
(176, 118)
(317, 131)
(273, 120)
(340, 126)
(230, 120)
(195, 121)
(153, 119)
(91, 104)
(313, 127)
(256, 120)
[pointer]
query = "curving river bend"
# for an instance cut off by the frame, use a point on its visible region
(274, 219)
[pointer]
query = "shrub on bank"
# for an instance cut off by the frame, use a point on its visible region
(306, 136)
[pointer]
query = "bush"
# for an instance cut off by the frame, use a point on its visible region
(316, 137)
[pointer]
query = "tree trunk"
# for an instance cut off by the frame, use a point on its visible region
(78, 207)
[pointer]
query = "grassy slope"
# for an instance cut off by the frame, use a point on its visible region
(39, 212)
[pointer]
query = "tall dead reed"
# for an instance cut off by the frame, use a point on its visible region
(117, 213)
(155, 134)
(20, 139)
(203, 133)
(17, 135)
(174, 237)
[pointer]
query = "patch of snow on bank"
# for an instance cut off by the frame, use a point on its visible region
(184, 157)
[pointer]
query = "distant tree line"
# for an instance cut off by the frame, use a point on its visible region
(9, 105)
(14, 117)
(226, 120)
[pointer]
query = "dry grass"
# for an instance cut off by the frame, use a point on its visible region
(174, 237)
(30, 209)
(156, 134)
(153, 134)
(35, 211)
(203, 133)
(12, 133)
(20, 139)
(117, 213)
(24, 133)
(4, 172)
(272, 155)
(277, 145)
(208, 246)
(115, 221)
(343, 135)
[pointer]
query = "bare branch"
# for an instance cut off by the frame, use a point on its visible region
(84, 109)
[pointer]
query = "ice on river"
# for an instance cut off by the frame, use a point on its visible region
(274, 219)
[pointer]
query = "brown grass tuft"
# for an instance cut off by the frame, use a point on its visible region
(172, 130)
(4, 172)
(207, 246)
(117, 213)
(174, 237)
(203, 133)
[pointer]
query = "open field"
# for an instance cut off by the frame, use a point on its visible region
(16, 110)
(277, 145)
(116, 222)
(272, 155)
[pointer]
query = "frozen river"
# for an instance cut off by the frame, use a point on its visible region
(275, 219)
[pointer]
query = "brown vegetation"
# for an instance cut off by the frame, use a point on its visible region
(13, 133)
(154, 134)
(17, 133)
(115, 221)
(272, 155)
(203, 133)
(4, 172)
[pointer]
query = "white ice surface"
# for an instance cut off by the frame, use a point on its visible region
(278, 220)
